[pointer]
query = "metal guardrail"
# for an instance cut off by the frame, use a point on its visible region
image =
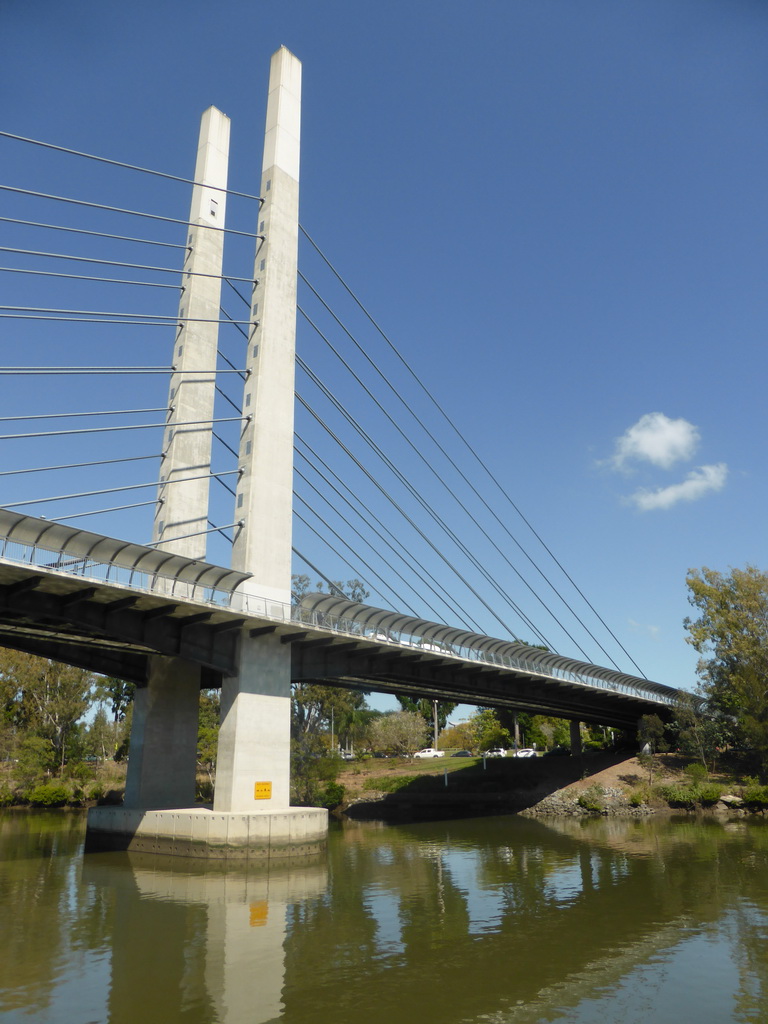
(111, 572)
(276, 611)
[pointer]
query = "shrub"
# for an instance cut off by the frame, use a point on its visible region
(677, 796)
(96, 792)
(755, 795)
(7, 796)
(81, 772)
(50, 794)
(331, 795)
(591, 799)
(593, 745)
(637, 798)
(709, 793)
(203, 790)
(697, 773)
(690, 795)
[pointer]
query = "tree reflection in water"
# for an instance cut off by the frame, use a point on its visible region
(502, 919)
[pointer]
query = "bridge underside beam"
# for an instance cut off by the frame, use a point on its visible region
(440, 678)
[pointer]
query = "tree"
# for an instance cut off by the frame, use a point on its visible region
(353, 590)
(208, 732)
(315, 708)
(489, 730)
(118, 693)
(460, 735)
(399, 732)
(699, 730)
(731, 635)
(650, 732)
(50, 696)
(426, 708)
(101, 735)
(314, 773)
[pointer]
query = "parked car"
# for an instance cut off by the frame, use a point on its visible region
(495, 752)
(463, 753)
(429, 752)
(525, 752)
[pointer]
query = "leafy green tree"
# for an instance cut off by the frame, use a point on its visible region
(531, 728)
(208, 732)
(353, 589)
(118, 693)
(731, 635)
(489, 730)
(561, 733)
(651, 733)
(36, 759)
(314, 773)
(101, 736)
(426, 709)
(460, 735)
(50, 697)
(700, 731)
(314, 708)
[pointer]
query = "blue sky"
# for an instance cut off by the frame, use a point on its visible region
(556, 211)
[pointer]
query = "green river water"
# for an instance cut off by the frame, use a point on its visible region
(494, 920)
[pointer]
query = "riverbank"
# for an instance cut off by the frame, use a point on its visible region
(402, 789)
(609, 784)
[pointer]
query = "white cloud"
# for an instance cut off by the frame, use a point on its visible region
(657, 439)
(698, 483)
(638, 627)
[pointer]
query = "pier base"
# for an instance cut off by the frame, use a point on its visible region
(199, 832)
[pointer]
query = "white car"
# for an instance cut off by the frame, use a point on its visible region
(496, 752)
(429, 752)
(525, 752)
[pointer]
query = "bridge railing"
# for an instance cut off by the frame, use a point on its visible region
(113, 573)
(169, 586)
(353, 628)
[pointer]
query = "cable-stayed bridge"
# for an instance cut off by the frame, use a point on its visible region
(204, 597)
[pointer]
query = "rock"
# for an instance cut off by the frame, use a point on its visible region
(731, 800)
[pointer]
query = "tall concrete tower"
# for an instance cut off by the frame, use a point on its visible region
(161, 771)
(254, 738)
(264, 500)
(181, 517)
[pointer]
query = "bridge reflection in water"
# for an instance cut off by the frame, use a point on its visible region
(504, 919)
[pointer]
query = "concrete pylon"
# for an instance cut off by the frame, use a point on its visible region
(161, 769)
(253, 766)
(181, 517)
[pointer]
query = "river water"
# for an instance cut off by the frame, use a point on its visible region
(487, 920)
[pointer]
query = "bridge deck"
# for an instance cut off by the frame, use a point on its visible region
(107, 606)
